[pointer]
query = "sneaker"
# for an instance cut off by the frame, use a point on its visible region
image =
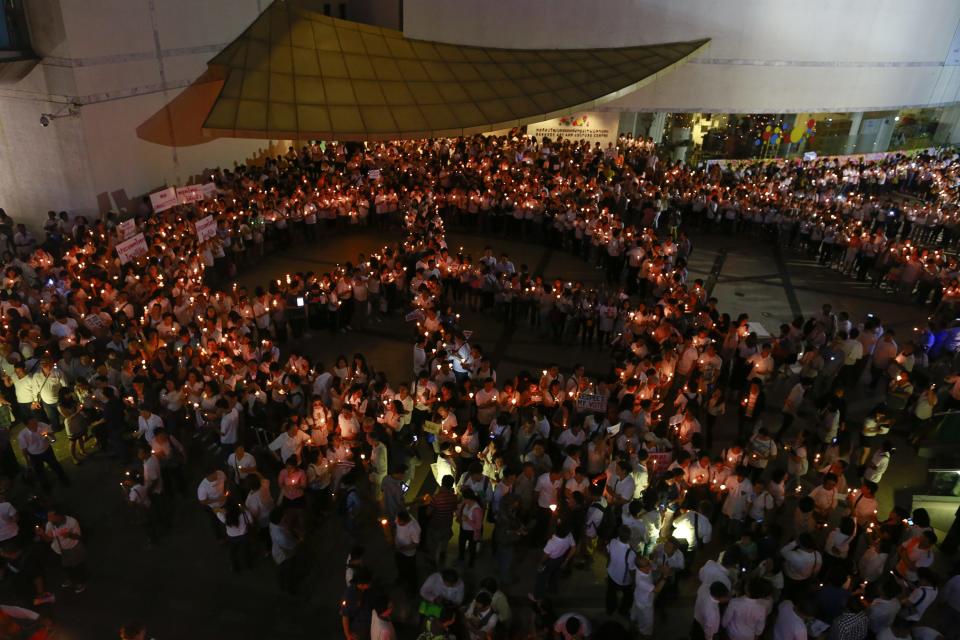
(66, 584)
(80, 588)
(47, 598)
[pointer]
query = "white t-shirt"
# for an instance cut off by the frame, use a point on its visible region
(8, 522)
(546, 489)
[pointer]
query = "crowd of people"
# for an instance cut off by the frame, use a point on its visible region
(150, 361)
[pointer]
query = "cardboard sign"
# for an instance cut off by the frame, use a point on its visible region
(126, 229)
(809, 156)
(131, 248)
(431, 427)
(591, 402)
(414, 316)
(163, 200)
(373, 174)
(209, 190)
(189, 193)
(206, 228)
(658, 463)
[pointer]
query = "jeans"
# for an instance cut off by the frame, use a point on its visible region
(53, 416)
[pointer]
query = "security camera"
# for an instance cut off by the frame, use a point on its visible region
(44, 120)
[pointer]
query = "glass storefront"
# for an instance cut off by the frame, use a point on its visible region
(697, 137)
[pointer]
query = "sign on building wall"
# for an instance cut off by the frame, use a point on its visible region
(130, 249)
(594, 126)
(163, 200)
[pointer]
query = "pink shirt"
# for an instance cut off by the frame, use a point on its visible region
(292, 484)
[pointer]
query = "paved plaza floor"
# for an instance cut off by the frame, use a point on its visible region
(184, 588)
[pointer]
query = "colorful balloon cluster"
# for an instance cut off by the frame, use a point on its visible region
(775, 134)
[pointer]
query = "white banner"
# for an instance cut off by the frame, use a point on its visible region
(209, 190)
(592, 402)
(189, 193)
(206, 228)
(593, 126)
(131, 248)
(163, 200)
(126, 229)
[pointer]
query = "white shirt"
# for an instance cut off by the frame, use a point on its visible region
(558, 547)
(877, 466)
(799, 564)
(789, 626)
(706, 611)
(546, 489)
(147, 427)
(951, 593)
(61, 533)
(744, 618)
(34, 442)
(407, 535)
(229, 427)
(244, 466)
(24, 388)
(622, 561)
(213, 490)
(434, 587)
(8, 522)
(151, 474)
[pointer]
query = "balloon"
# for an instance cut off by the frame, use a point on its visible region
(797, 134)
(784, 127)
(774, 138)
(756, 142)
(810, 123)
(768, 128)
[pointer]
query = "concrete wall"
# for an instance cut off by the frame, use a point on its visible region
(766, 55)
(124, 60)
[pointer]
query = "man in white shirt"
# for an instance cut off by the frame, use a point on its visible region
(241, 464)
(801, 562)
(620, 569)
(558, 551)
(9, 522)
(693, 527)
(443, 587)
(24, 389)
(789, 625)
(706, 610)
(647, 585)
(34, 441)
(547, 489)
(746, 616)
(48, 381)
(212, 493)
(289, 443)
(147, 424)
(406, 541)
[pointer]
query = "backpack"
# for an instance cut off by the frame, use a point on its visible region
(607, 528)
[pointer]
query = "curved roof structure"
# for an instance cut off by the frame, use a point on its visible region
(301, 75)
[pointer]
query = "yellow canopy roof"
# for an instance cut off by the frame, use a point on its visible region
(301, 75)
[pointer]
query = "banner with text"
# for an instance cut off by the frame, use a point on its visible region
(131, 248)
(189, 193)
(126, 229)
(592, 126)
(592, 402)
(209, 190)
(163, 200)
(206, 228)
